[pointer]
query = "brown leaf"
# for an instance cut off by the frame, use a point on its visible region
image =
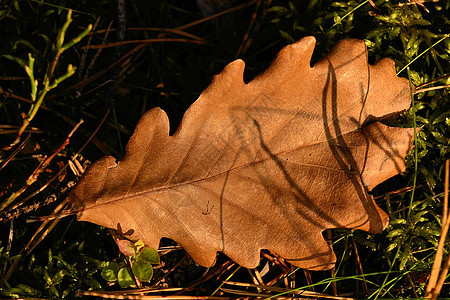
(264, 165)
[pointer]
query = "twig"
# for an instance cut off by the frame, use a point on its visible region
(226, 279)
(412, 285)
(164, 30)
(304, 293)
(170, 271)
(254, 279)
(115, 296)
(276, 261)
(361, 271)
(64, 167)
(39, 170)
(216, 15)
(101, 146)
(85, 52)
(432, 89)
(97, 54)
(432, 81)
(433, 287)
(16, 151)
(333, 269)
(156, 40)
(219, 270)
(18, 210)
(100, 73)
(309, 280)
(275, 280)
(441, 280)
(243, 47)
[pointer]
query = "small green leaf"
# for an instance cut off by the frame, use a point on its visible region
(419, 216)
(395, 232)
(47, 278)
(391, 247)
(143, 270)
(286, 36)
(110, 272)
(124, 277)
(54, 291)
(150, 255)
(278, 9)
(27, 290)
(139, 245)
(20, 61)
(397, 221)
(404, 257)
(58, 277)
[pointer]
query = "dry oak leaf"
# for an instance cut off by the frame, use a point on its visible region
(265, 165)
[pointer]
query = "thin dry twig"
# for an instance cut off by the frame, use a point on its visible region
(360, 268)
(433, 289)
(276, 261)
(157, 40)
(144, 44)
(254, 279)
(239, 7)
(432, 81)
(442, 277)
(160, 279)
(219, 270)
(246, 41)
(15, 152)
(102, 72)
(333, 269)
(163, 30)
(84, 55)
(40, 169)
(107, 295)
(226, 279)
(250, 294)
(432, 89)
(301, 292)
(96, 55)
(309, 280)
(52, 216)
(18, 208)
(277, 278)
